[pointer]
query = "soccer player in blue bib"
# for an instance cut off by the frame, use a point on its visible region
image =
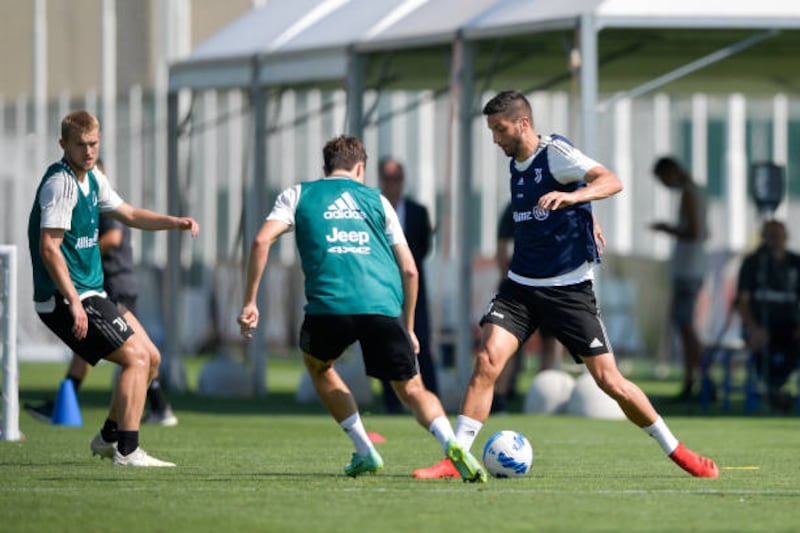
(361, 284)
(63, 234)
(549, 282)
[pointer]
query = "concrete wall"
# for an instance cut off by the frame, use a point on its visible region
(73, 41)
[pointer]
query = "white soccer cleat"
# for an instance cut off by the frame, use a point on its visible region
(139, 457)
(166, 418)
(99, 446)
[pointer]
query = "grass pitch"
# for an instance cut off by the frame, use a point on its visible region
(271, 465)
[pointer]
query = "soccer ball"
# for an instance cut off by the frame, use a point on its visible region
(508, 454)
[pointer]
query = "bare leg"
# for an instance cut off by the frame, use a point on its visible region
(337, 398)
(333, 392)
(507, 379)
(427, 408)
(155, 355)
(424, 405)
(640, 411)
(129, 395)
(497, 347)
(139, 359)
(78, 368)
(633, 402)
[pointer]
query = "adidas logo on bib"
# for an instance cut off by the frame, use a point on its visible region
(344, 207)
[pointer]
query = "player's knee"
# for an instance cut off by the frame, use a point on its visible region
(136, 356)
(488, 364)
(409, 390)
(612, 384)
(403, 393)
(155, 362)
(315, 366)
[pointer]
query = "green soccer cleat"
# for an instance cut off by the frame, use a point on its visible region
(468, 467)
(360, 464)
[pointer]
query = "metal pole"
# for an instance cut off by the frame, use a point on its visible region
(254, 203)
(40, 80)
(108, 73)
(356, 85)
(696, 65)
(589, 84)
(172, 364)
(10, 369)
(461, 196)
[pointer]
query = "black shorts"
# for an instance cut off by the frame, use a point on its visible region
(570, 313)
(108, 329)
(385, 343)
(780, 359)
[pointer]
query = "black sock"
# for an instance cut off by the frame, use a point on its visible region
(109, 431)
(156, 397)
(128, 441)
(76, 382)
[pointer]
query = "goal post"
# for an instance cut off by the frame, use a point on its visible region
(8, 310)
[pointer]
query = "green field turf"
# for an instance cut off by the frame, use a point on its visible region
(271, 465)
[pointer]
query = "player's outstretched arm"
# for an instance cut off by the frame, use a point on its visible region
(256, 263)
(145, 219)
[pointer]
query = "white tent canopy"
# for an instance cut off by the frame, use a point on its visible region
(629, 46)
(291, 35)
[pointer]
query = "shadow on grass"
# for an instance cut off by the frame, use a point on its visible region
(274, 403)
(284, 402)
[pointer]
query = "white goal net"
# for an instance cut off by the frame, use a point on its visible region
(8, 336)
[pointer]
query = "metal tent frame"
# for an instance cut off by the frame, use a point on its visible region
(332, 42)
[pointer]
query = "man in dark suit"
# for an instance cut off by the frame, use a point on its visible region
(417, 227)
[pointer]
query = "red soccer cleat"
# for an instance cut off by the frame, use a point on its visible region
(441, 470)
(694, 463)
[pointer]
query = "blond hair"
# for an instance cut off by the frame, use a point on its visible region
(80, 122)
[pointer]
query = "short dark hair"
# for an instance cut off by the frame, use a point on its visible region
(80, 122)
(343, 152)
(667, 165)
(772, 224)
(384, 162)
(511, 104)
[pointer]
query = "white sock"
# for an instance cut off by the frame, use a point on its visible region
(354, 428)
(659, 431)
(443, 431)
(467, 430)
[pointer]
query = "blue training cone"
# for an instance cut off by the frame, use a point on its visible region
(66, 411)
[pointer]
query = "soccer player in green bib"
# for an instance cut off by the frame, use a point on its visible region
(361, 284)
(63, 232)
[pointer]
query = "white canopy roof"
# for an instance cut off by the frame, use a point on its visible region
(310, 41)
(520, 16)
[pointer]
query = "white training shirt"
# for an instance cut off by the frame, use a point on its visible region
(57, 198)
